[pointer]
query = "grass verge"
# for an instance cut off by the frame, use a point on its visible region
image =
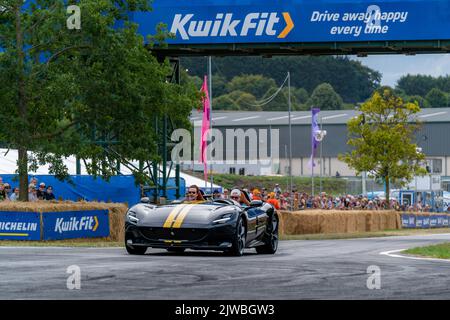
(440, 251)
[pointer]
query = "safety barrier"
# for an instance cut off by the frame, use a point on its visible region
(424, 220)
(336, 221)
(64, 220)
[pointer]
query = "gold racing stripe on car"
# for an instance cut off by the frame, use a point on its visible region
(179, 220)
(172, 216)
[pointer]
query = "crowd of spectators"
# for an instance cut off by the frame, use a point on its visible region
(35, 192)
(304, 201)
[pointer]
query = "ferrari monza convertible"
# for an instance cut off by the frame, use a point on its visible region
(222, 225)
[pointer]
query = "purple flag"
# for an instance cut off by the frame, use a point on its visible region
(314, 131)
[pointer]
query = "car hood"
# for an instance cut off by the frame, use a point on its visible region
(181, 215)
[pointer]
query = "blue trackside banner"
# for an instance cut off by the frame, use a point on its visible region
(294, 21)
(408, 221)
(75, 224)
(20, 226)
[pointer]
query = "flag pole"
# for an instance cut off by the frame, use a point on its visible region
(290, 141)
(210, 113)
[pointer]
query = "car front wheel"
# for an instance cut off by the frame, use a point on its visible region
(239, 240)
(271, 238)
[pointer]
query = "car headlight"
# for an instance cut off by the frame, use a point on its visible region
(132, 217)
(224, 218)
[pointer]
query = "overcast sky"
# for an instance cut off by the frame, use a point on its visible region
(392, 67)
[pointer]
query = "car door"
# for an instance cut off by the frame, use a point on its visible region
(252, 215)
(261, 220)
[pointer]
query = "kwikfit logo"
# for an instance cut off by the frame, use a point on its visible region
(76, 224)
(254, 24)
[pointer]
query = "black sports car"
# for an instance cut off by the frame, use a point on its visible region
(221, 225)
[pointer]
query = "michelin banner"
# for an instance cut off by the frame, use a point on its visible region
(20, 226)
(274, 21)
(75, 224)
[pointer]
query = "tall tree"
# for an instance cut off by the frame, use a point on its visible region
(437, 98)
(325, 98)
(382, 139)
(257, 85)
(416, 84)
(67, 91)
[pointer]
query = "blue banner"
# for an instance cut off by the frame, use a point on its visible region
(75, 224)
(294, 21)
(445, 221)
(425, 222)
(83, 187)
(408, 221)
(20, 226)
(434, 222)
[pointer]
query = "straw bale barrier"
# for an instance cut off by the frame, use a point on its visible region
(117, 211)
(337, 221)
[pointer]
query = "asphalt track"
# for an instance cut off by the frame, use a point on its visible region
(329, 269)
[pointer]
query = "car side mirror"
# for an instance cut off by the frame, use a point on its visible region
(256, 203)
(145, 200)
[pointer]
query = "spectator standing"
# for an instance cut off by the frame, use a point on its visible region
(7, 187)
(264, 193)
(216, 194)
(256, 195)
(277, 190)
(3, 196)
(273, 201)
(41, 191)
(49, 195)
(32, 193)
(15, 195)
(34, 181)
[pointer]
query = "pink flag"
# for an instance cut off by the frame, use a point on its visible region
(205, 127)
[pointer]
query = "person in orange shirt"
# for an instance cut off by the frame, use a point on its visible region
(256, 194)
(273, 201)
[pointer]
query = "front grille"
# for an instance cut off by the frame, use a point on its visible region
(190, 234)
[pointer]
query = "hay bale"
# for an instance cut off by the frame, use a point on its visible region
(337, 221)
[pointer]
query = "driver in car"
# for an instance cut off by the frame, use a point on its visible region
(194, 195)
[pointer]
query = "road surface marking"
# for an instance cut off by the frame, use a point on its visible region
(393, 254)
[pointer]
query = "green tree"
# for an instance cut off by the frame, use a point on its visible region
(64, 92)
(416, 84)
(245, 101)
(280, 101)
(300, 94)
(353, 81)
(219, 85)
(225, 102)
(437, 98)
(382, 139)
(325, 98)
(257, 85)
(422, 102)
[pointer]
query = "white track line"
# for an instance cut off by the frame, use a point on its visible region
(393, 255)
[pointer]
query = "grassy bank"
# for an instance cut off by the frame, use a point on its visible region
(440, 251)
(330, 185)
